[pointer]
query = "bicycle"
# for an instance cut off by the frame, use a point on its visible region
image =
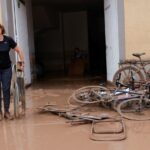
(130, 104)
(18, 90)
(133, 73)
(136, 105)
(91, 94)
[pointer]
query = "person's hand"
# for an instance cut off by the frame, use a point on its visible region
(20, 66)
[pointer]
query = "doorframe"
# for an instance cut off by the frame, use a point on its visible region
(10, 28)
(119, 25)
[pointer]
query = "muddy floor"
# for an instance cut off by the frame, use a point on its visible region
(45, 131)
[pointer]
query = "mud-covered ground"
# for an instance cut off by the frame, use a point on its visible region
(45, 131)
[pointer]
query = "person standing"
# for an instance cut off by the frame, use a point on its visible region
(6, 44)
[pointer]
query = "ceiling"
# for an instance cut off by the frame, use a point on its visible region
(64, 1)
(67, 5)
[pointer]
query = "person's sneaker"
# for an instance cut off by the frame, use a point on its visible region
(1, 116)
(8, 116)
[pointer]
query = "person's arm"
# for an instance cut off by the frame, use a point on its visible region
(20, 54)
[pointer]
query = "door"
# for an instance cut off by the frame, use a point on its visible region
(114, 34)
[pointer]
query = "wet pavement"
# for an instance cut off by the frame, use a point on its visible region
(38, 131)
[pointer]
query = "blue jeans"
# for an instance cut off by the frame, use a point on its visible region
(5, 82)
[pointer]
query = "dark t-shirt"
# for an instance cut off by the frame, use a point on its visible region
(5, 47)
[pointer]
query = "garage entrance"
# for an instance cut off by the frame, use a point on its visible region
(69, 37)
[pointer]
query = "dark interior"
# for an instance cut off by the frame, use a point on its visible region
(69, 37)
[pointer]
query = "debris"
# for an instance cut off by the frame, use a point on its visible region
(108, 135)
(115, 99)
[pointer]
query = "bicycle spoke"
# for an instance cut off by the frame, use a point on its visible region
(129, 76)
(91, 94)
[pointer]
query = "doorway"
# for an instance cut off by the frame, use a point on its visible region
(96, 33)
(62, 27)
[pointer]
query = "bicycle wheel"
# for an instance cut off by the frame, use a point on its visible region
(134, 109)
(21, 88)
(16, 100)
(90, 94)
(18, 89)
(128, 76)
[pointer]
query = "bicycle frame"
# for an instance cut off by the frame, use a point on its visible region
(139, 64)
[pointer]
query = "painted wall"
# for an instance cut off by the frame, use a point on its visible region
(22, 37)
(0, 12)
(137, 27)
(114, 32)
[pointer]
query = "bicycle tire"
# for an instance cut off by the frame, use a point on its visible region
(132, 114)
(18, 90)
(16, 100)
(20, 81)
(126, 80)
(86, 95)
(147, 75)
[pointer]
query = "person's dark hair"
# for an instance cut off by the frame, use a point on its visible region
(3, 29)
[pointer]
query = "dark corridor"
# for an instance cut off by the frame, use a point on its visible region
(62, 26)
(96, 35)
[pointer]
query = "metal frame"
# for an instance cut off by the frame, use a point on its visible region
(18, 90)
(113, 136)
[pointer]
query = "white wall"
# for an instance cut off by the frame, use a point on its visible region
(114, 30)
(8, 21)
(121, 28)
(22, 37)
(0, 12)
(4, 14)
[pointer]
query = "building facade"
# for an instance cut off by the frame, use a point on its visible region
(126, 30)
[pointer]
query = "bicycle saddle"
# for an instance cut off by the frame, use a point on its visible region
(138, 54)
